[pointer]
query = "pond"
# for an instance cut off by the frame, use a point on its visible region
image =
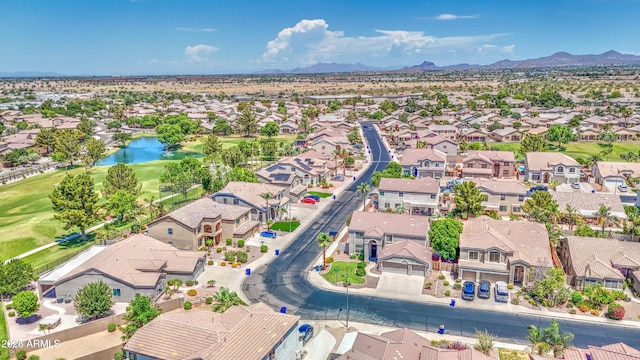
(144, 150)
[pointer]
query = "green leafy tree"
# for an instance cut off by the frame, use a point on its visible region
(122, 204)
(388, 106)
(247, 122)
(15, 275)
(604, 216)
(548, 339)
(242, 175)
(94, 300)
(541, 207)
(233, 157)
(94, 150)
(75, 202)
(270, 129)
(141, 313)
(532, 143)
(67, 144)
(121, 138)
(25, 303)
(120, 177)
(585, 230)
(324, 240)
(170, 135)
(224, 299)
(222, 127)
(46, 138)
(363, 188)
(475, 145)
(559, 134)
(598, 295)
(444, 237)
(468, 198)
(608, 137)
(211, 147)
(86, 126)
(548, 285)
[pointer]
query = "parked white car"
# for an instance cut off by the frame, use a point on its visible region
(501, 291)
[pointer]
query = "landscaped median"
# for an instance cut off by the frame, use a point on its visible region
(322, 195)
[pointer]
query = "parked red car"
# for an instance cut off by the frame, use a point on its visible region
(308, 201)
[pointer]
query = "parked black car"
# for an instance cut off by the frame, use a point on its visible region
(484, 290)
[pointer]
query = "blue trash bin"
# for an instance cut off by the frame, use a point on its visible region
(283, 310)
(441, 330)
(453, 303)
(277, 252)
(334, 197)
(247, 271)
(354, 178)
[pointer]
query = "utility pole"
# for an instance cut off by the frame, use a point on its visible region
(348, 295)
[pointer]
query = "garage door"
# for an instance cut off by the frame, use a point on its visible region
(469, 275)
(395, 268)
(494, 277)
(418, 270)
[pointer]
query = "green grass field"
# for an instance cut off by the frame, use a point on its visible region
(322, 195)
(228, 141)
(579, 149)
(56, 255)
(284, 226)
(4, 335)
(340, 275)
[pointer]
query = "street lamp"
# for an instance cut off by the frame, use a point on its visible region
(348, 295)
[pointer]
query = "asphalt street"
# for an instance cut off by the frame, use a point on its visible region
(284, 283)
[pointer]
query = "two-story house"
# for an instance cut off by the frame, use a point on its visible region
(424, 162)
(446, 131)
(488, 164)
(545, 167)
(190, 226)
(399, 243)
(310, 166)
(250, 195)
(417, 196)
(282, 175)
(497, 250)
(503, 197)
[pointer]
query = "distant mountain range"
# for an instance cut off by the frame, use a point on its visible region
(558, 59)
(19, 74)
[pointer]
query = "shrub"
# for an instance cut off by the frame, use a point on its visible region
(223, 263)
(570, 305)
(360, 272)
(595, 312)
(618, 295)
(208, 301)
(36, 278)
(234, 265)
(9, 306)
(242, 257)
(615, 311)
(361, 257)
(230, 256)
(362, 265)
(447, 293)
(457, 286)
(228, 242)
(192, 292)
(264, 248)
(572, 311)
(440, 277)
(428, 285)
(219, 250)
(510, 286)
(515, 301)
(202, 248)
(240, 243)
(458, 281)
(210, 262)
(189, 283)
(576, 297)
(583, 307)
(195, 282)
(21, 354)
(353, 256)
(111, 327)
(446, 283)
(329, 260)
(188, 305)
(128, 308)
(11, 313)
(119, 355)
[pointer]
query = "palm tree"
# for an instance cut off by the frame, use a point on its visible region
(400, 209)
(538, 341)
(632, 226)
(266, 196)
(557, 340)
(593, 158)
(625, 112)
(572, 216)
(324, 240)
(223, 299)
(604, 216)
(364, 188)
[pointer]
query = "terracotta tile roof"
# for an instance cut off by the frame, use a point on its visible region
(424, 185)
(206, 208)
(250, 192)
(500, 187)
(242, 332)
(610, 168)
(139, 261)
(537, 161)
(598, 257)
(397, 224)
(406, 248)
(528, 241)
(589, 203)
(489, 156)
(414, 156)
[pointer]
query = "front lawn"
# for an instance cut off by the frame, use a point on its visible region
(284, 226)
(322, 195)
(338, 273)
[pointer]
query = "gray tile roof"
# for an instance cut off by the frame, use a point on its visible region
(599, 257)
(399, 224)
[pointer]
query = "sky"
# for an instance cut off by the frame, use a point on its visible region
(170, 37)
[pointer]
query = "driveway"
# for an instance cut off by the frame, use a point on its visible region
(584, 187)
(320, 346)
(400, 284)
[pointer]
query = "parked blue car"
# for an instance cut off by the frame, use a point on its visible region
(539, 188)
(314, 197)
(468, 290)
(268, 234)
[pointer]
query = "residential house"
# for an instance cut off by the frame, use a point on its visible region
(488, 164)
(138, 264)
(590, 260)
(417, 196)
(503, 197)
(254, 332)
(190, 226)
(497, 250)
(446, 131)
(250, 195)
(404, 344)
(21, 140)
(611, 174)
(474, 135)
(424, 162)
(588, 134)
(588, 205)
(507, 134)
(371, 232)
(545, 167)
(278, 174)
(327, 145)
(434, 141)
(617, 351)
(310, 166)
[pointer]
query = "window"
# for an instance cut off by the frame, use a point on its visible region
(503, 196)
(387, 205)
(503, 208)
(470, 166)
(400, 194)
(612, 284)
(397, 205)
(473, 255)
(560, 169)
(207, 228)
(516, 209)
(520, 197)
(381, 193)
(506, 164)
(388, 239)
(494, 256)
(484, 166)
(170, 231)
(224, 200)
(236, 201)
(237, 221)
(505, 172)
(572, 170)
(535, 177)
(359, 234)
(432, 196)
(116, 292)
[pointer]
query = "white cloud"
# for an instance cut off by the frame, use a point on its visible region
(198, 52)
(187, 29)
(455, 17)
(311, 41)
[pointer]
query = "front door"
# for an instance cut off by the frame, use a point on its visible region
(545, 178)
(496, 170)
(518, 275)
(373, 255)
